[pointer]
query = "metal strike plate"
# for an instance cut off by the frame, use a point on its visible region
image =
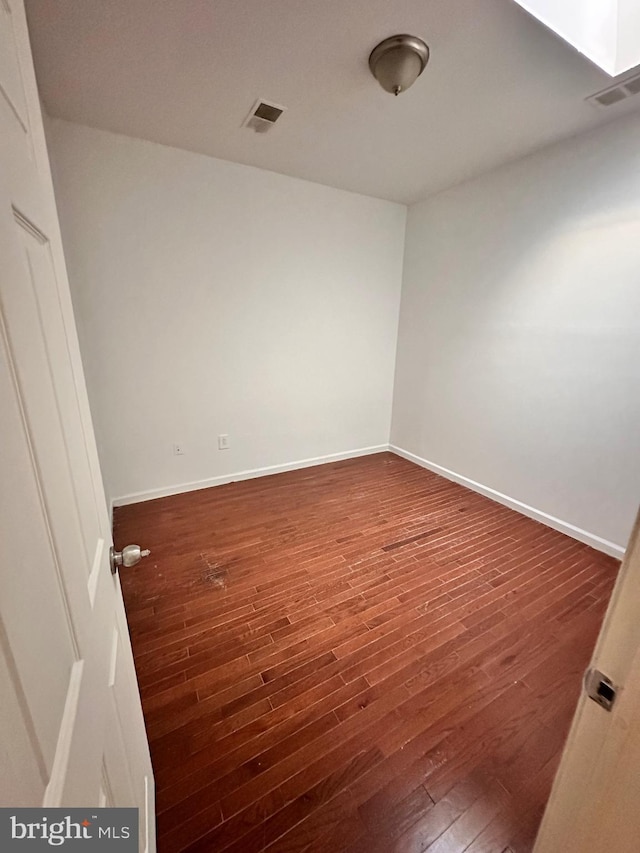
(600, 688)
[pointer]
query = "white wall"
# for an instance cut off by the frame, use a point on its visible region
(518, 361)
(218, 298)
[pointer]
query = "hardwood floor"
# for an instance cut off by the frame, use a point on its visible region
(356, 657)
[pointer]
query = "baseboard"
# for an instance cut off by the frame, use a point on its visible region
(584, 536)
(152, 494)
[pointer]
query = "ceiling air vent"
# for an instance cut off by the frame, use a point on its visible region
(263, 116)
(614, 94)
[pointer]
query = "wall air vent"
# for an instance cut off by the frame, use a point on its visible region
(263, 116)
(614, 94)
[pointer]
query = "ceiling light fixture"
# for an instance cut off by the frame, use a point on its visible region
(398, 61)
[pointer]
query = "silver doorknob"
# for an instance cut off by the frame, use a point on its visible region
(129, 556)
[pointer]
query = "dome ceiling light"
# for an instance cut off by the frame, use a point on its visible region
(398, 61)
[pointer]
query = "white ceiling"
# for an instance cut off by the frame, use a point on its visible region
(186, 73)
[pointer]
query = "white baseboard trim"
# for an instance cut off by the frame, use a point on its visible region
(584, 536)
(138, 497)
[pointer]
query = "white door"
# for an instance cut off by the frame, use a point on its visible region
(595, 801)
(71, 731)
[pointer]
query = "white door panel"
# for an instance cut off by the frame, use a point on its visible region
(22, 772)
(72, 728)
(11, 83)
(29, 566)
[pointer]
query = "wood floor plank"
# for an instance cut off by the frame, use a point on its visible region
(360, 656)
(246, 745)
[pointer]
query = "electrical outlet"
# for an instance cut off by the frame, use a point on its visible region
(178, 449)
(223, 442)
